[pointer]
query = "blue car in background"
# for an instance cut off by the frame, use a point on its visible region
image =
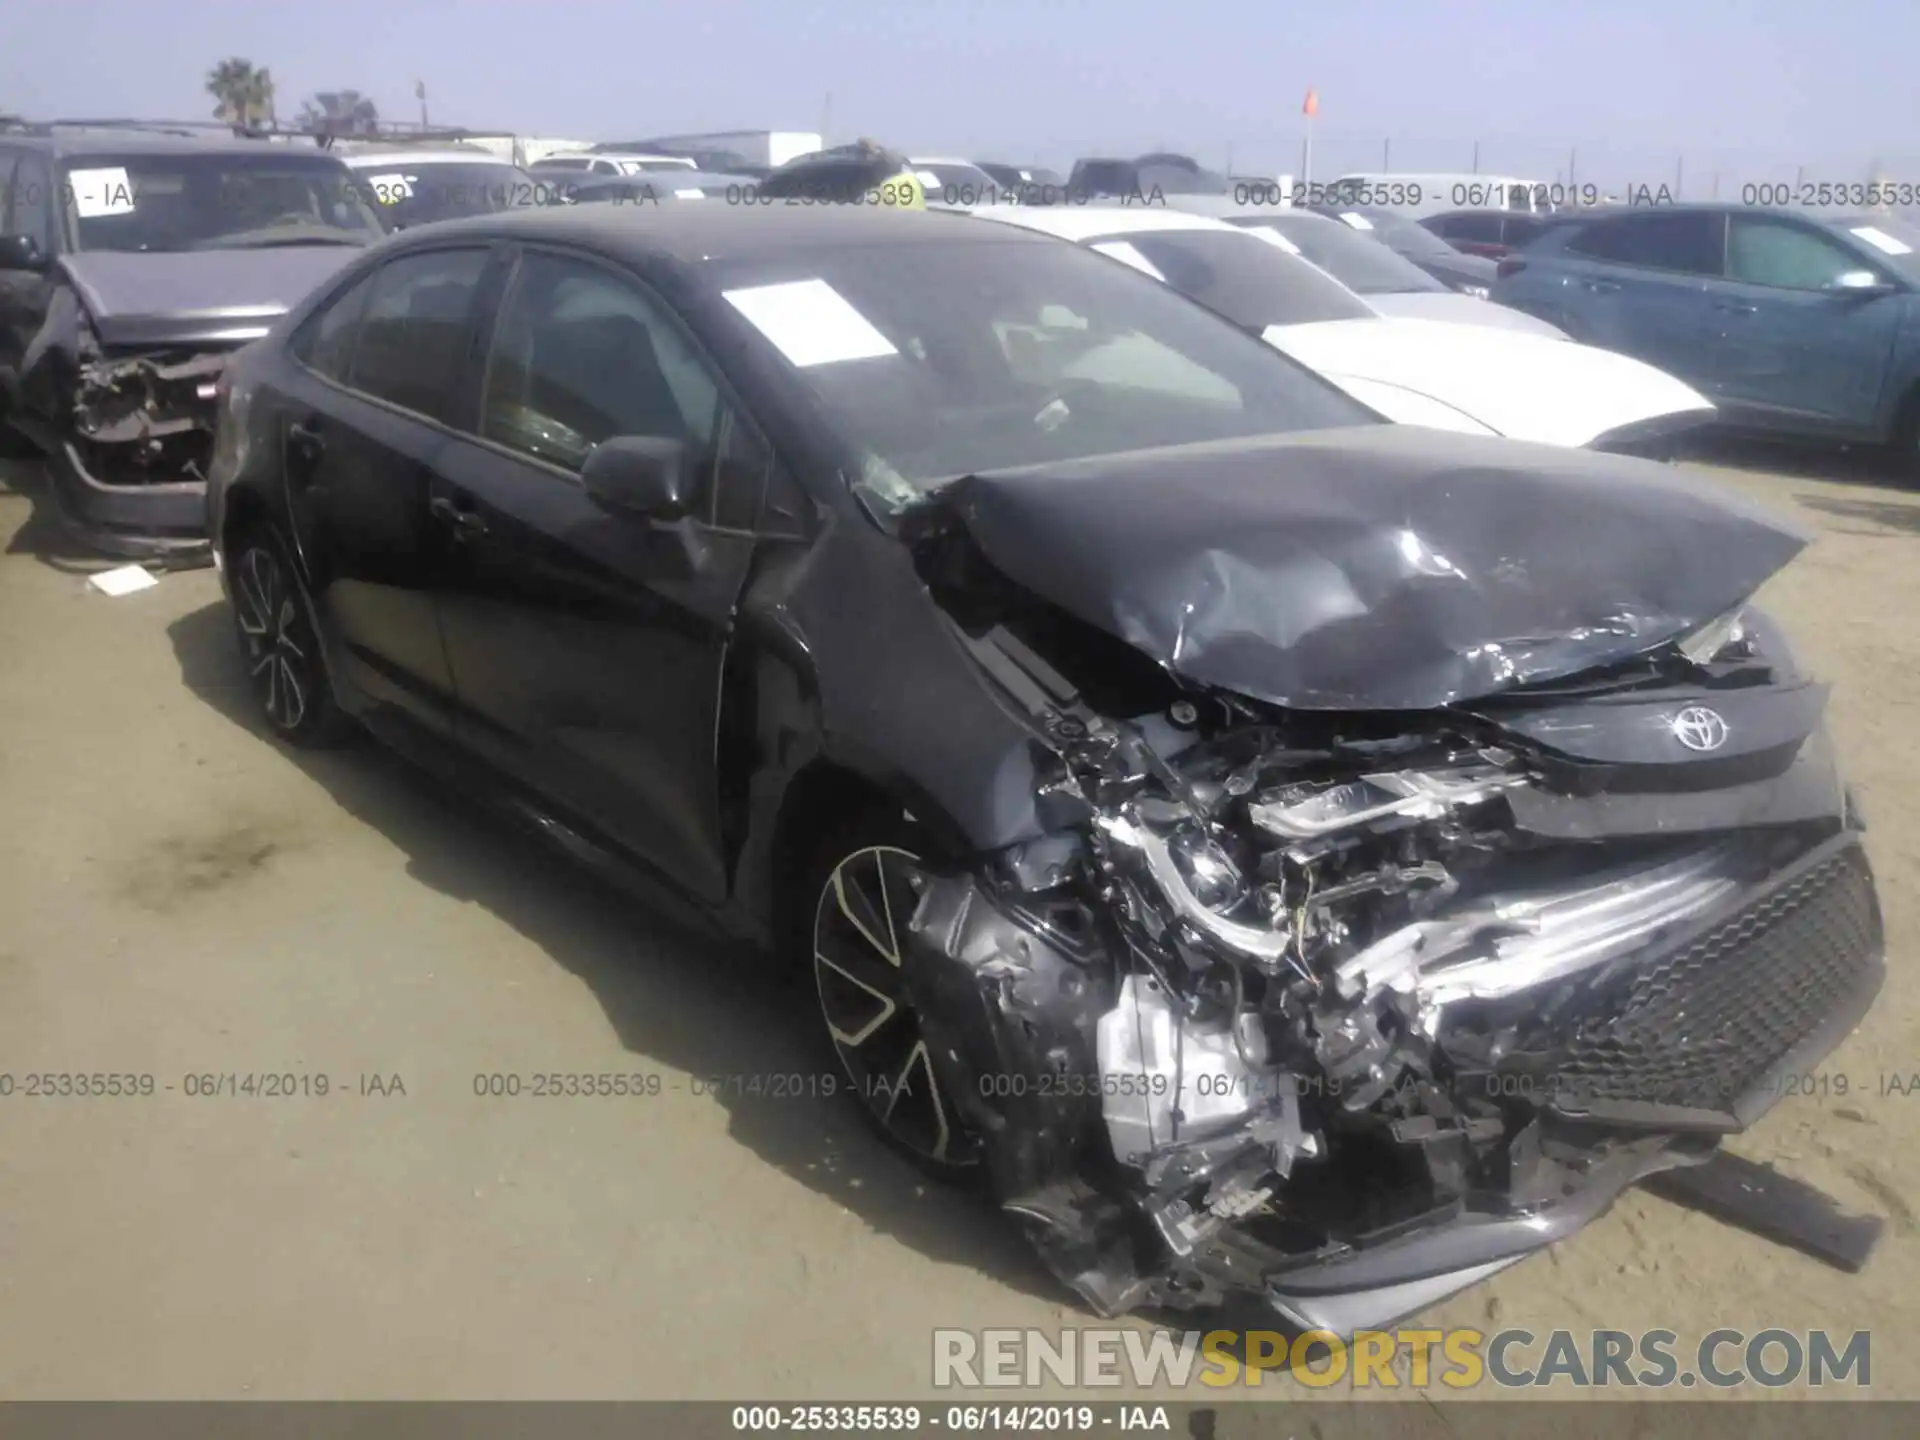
(1792, 323)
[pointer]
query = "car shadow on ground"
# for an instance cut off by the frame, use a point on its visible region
(1862, 467)
(674, 995)
(44, 535)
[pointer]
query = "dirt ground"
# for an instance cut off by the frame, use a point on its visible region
(180, 897)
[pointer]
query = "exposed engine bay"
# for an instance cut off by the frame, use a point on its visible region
(1349, 1009)
(147, 419)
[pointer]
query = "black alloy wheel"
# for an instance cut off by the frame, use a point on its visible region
(859, 926)
(277, 640)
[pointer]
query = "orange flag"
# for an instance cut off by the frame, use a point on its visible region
(1312, 104)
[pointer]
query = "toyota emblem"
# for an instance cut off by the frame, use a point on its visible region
(1699, 728)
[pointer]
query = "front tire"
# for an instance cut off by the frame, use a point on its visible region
(285, 667)
(862, 889)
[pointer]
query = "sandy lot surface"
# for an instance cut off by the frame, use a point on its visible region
(180, 897)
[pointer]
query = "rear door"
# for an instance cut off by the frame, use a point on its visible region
(1793, 344)
(587, 646)
(1638, 283)
(369, 408)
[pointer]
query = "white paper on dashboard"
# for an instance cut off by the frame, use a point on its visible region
(1274, 237)
(689, 194)
(101, 192)
(810, 322)
(391, 189)
(1357, 221)
(1880, 240)
(1128, 254)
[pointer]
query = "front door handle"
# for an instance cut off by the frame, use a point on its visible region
(464, 522)
(1603, 287)
(305, 439)
(1735, 307)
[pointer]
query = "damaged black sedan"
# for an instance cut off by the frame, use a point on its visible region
(1283, 853)
(132, 265)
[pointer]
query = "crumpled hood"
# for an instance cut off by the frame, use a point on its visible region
(1379, 568)
(146, 297)
(1528, 387)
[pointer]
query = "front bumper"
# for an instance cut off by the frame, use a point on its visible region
(165, 522)
(1631, 1069)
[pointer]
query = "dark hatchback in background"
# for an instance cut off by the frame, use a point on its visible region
(131, 267)
(1470, 274)
(1144, 177)
(1266, 904)
(1794, 323)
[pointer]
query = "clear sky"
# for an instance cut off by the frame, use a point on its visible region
(1739, 89)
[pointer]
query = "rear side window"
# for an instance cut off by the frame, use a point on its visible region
(1687, 243)
(325, 342)
(413, 333)
(1765, 251)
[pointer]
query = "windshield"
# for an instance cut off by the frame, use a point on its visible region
(1360, 264)
(420, 193)
(214, 202)
(1894, 242)
(1249, 279)
(952, 356)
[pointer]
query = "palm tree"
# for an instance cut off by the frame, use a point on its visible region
(340, 112)
(244, 91)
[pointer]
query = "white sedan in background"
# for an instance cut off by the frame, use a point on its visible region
(1473, 378)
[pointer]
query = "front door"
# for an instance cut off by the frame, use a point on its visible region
(587, 646)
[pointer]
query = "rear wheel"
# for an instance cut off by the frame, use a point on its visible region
(863, 886)
(285, 668)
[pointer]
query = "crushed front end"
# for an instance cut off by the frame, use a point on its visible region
(128, 431)
(1351, 1009)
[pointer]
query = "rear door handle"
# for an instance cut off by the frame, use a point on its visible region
(463, 521)
(1602, 287)
(305, 438)
(1735, 307)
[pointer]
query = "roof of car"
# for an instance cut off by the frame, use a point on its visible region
(380, 159)
(81, 142)
(692, 233)
(1083, 222)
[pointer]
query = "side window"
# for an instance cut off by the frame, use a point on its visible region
(605, 167)
(7, 161)
(1764, 251)
(413, 332)
(32, 210)
(1688, 242)
(325, 342)
(580, 356)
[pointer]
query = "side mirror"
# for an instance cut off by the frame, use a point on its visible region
(1862, 284)
(641, 475)
(21, 252)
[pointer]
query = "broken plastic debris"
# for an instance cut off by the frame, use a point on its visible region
(123, 581)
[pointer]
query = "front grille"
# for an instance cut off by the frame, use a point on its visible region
(1701, 1026)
